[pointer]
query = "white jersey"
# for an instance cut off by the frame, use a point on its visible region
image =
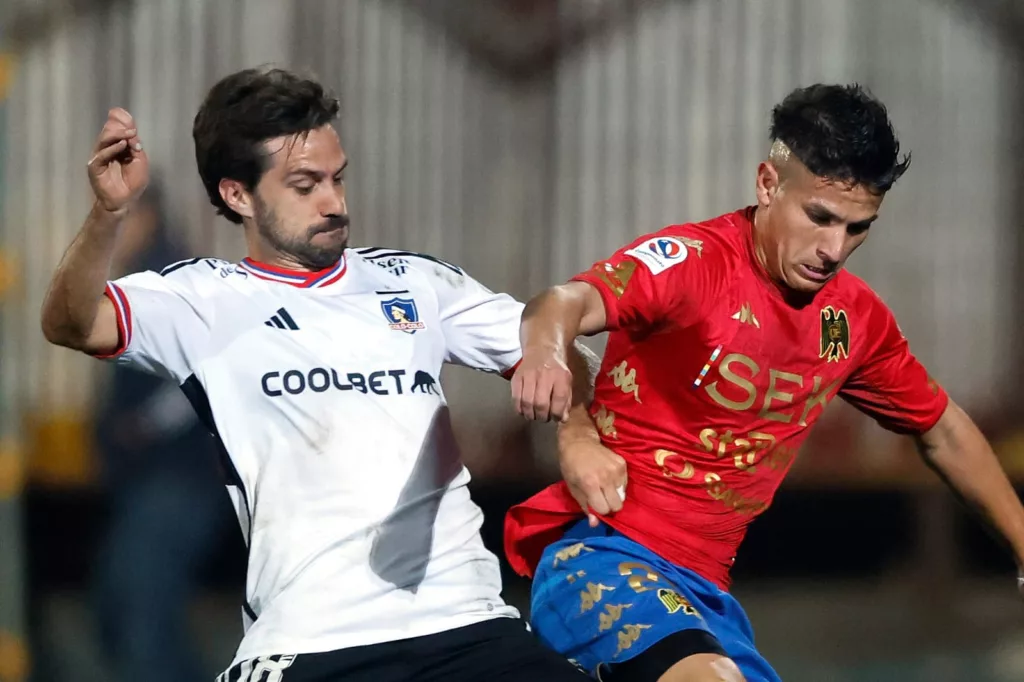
(323, 391)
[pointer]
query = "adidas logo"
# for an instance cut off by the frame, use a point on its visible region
(282, 320)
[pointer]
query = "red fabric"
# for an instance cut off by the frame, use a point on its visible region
(123, 310)
(705, 454)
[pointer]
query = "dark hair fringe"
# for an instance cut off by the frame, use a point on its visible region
(244, 110)
(842, 133)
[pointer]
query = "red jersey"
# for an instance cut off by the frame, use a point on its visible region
(710, 383)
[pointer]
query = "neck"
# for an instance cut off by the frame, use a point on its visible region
(759, 240)
(757, 236)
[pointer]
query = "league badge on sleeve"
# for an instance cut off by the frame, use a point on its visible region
(835, 334)
(402, 315)
(661, 253)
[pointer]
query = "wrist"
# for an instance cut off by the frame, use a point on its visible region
(108, 216)
(570, 434)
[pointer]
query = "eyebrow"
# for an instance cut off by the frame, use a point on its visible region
(312, 174)
(830, 216)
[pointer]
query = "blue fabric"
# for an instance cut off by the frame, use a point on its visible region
(600, 598)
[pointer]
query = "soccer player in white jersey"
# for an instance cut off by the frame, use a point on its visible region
(316, 367)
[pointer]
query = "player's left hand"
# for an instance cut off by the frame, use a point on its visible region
(542, 387)
(596, 476)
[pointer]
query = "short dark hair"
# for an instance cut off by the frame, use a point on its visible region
(244, 110)
(842, 133)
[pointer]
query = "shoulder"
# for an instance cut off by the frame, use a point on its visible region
(191, 278)
(854, 293)
(411, 264)
(707, 250)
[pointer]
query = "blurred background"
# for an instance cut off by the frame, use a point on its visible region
(521, 139)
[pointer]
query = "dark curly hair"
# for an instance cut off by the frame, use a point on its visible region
(244, 110)
(842, 133)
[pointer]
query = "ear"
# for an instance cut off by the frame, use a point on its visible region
(237, 197)
(767, 183)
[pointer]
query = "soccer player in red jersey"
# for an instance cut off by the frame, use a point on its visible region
(728, 338)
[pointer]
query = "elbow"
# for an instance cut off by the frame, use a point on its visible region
(561, 299)
(60, 331)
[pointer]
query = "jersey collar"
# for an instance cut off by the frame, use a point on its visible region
(296, 278)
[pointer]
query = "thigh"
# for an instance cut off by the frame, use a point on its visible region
(499, 650)
(737, 637)
(374, 663)
(601, 601)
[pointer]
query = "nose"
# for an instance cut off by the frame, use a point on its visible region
(830, 246)
(334, 202)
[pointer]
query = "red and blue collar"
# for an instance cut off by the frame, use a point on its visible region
(296, 278)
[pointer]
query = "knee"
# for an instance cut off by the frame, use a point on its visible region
(703, 668)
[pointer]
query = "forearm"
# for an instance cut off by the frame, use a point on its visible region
(578, 427)
(76, 290)
(959, 453)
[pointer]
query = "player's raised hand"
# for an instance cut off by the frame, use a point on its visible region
(596, 476)
(119, 168)
(542, 386)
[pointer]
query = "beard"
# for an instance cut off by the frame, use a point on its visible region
(301, 247)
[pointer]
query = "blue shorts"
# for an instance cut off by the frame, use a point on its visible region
(600, 598)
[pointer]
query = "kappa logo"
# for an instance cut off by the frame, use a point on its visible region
(402, 314)
(616, 277)
(746, 316)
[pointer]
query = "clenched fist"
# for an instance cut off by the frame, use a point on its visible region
(119, 168)
(596, 476)
(542, 386)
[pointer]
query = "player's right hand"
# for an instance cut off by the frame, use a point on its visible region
(119, 168)
(596, 476)
(542, 386)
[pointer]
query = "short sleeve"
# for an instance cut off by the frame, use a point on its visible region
(481, 328)
(161, 325)
(655, 277)
(891, 385)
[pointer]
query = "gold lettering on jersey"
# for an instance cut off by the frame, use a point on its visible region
(745, 451)
(746, 315)
(663, 457)
(745, 455)
(639, 575)
(727, 372)
(591, 595)
(719, 490)
(628, 637)
(674, 602)
(835, 334)
(773, 393)
(612, 614)
(777, 383)
(570, 552)
(605, 421)
(616, 277)
(624, 380)
(818, 398)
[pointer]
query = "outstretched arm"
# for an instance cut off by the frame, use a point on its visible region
(75, 312)
(959, 453)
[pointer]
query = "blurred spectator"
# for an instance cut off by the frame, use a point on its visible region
(168, 510)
